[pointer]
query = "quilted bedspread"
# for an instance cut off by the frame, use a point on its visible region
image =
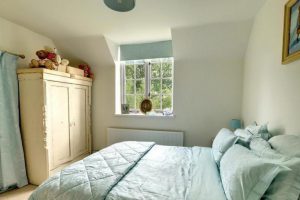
(172, 173)
(93, 177)
(138, 171)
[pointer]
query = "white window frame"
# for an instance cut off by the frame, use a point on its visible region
(148, 78)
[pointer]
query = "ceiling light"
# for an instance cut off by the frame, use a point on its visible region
(120, 5)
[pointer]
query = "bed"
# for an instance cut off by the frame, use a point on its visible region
(137, 170)
(240, 166)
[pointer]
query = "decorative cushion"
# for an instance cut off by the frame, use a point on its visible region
(260, 146)
(243, 135)
(286, 186)
(286, 144)
(223, 141)
(244, 175)
(259, 130)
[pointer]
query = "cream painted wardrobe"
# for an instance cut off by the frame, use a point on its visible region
(55, 120)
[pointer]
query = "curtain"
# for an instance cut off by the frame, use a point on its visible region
(12, 164)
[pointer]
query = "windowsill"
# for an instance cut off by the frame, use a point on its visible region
(139, 115)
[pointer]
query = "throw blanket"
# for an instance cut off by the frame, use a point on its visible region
(94, 176)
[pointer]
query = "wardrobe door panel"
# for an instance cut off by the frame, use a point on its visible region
(58, 116)
(78, 115)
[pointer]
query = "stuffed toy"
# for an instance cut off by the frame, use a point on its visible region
(48, 59)
(87, 70)
(48, 64)
(42, 54)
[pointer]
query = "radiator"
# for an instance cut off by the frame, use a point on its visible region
(169, 138)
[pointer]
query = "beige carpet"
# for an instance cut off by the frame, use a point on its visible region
(18, 194)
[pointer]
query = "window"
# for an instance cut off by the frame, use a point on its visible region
(148, 78)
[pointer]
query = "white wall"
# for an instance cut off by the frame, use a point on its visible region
(17, 39)
(271, 90)
(207, 91)
(208, 77)
(208, 80)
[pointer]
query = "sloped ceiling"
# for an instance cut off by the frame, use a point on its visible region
(93, 50)
(78, 27)
(151, 20)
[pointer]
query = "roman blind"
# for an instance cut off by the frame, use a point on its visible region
(162, 49)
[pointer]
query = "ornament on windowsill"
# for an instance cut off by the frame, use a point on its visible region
(146, 106)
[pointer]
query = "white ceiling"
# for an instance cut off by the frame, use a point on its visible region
(151, 20)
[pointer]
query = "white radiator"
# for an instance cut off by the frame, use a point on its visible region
(169, 138)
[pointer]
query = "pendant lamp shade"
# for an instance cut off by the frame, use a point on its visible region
(120, 5)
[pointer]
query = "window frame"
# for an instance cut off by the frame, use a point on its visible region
(147, 63)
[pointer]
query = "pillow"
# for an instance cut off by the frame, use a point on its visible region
(287, 184)
(260, 146)
(254, 128)
(286, 144)
(223, 141)
(244, 175)
(259, 130)
(243, 135)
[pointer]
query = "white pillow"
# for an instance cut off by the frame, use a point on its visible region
(243, 135)
(223, 141)
(259, 130)
(254, 128)
(244, 175)
(287, 184)
(286, 144)
(260, 146)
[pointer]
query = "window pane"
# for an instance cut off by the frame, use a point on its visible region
(140, 87)
(166, 69)
(140, 71)
(155, 102)
(155, 70)
(139, 99)
(129, 87)
(129, 71)
(155, 87)
(167, 102)
(130, 100)
(167, 86)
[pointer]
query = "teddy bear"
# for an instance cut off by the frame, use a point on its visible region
(56, 58)
(48, 64)
(46, 60)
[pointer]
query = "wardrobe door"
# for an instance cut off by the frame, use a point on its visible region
(79, 121)
(57, 103)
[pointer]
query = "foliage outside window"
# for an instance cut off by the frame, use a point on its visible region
(148, 78)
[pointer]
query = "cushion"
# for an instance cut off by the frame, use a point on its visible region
(223, 141)
(286, 186)
(260, 146)
(259, 130)
(243, 135)
(244, 175)
(286, 144)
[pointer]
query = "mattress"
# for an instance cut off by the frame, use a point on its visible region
(137, 170)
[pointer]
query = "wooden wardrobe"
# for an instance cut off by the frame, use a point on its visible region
(55, 120)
